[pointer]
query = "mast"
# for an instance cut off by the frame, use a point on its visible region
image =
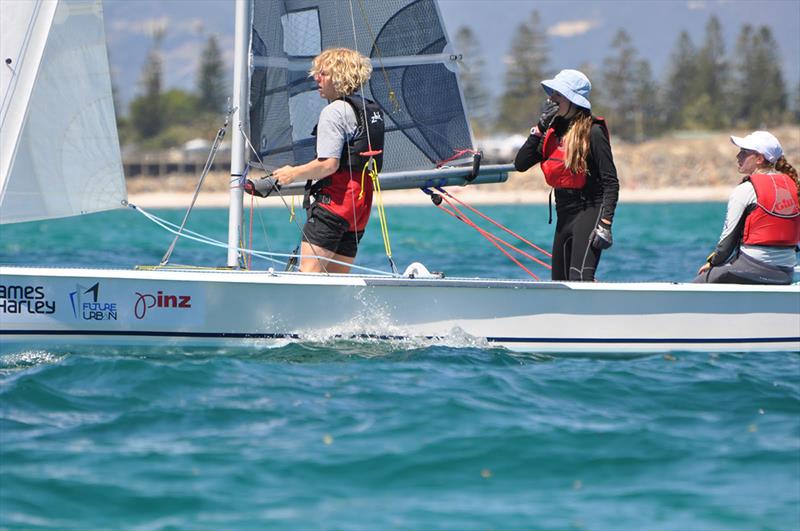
(240, 104)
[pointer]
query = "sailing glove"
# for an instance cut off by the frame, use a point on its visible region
(548, 111)
(262, 187)
(601, 237)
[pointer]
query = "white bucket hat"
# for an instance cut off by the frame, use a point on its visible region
(571, 84)
(761, 142)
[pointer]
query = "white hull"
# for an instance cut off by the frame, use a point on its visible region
(42, 307)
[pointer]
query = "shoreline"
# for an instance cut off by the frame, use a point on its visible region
(472, 196)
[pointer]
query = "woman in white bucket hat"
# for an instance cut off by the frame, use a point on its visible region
(575, 154)
(762, 225)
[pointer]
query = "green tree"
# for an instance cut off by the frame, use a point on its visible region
(212, 86)
(680, 84)
(632, 102)
(711, 105)
(180, 107)
(619, 73)
(123, 127)
(797, 103)
(747, 87)
(472, 79)
(598, 95)
(522, 95)
(648, 112)
(146, 110)
(760, 95)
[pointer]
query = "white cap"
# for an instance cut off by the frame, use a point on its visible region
(573, 85)
(761, 142)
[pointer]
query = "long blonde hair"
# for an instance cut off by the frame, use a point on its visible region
(576, 142)
(348, 69)
(783, 166)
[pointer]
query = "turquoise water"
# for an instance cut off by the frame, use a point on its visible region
(375, 435)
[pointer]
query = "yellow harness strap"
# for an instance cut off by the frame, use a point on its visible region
(371, 167)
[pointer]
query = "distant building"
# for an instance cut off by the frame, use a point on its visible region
(188, 159)
(500, 149)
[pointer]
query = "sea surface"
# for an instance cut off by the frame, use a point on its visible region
(375, 435)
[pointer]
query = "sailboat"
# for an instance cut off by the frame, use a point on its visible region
(56, 100)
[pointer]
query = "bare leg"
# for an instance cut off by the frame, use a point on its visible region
(310, 263)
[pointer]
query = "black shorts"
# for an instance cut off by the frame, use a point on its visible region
(329, 231)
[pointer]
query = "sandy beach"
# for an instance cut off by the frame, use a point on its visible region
(682, 167)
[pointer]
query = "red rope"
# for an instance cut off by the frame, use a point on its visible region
(250, 244)
(456, 213)
(496, 224)
(469, 222)
(458, 154)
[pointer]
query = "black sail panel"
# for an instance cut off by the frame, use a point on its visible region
(413, 77)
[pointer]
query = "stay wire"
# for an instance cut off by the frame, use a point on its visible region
(378, 55)
(200, 238)
(209, 162)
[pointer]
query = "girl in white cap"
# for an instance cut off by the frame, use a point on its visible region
(575, 155)
(762, 226)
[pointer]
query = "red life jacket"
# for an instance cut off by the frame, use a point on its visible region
(339, 192)
(553, 164)
(341, 197)
(776, 219)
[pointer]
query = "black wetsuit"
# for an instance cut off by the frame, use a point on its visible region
(578, 211)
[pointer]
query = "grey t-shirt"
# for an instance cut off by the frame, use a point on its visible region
(337, 122)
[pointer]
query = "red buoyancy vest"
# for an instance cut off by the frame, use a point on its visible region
(776, 220)
(553, 160)
(343, 190)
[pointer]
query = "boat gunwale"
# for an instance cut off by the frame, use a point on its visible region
(226, 275)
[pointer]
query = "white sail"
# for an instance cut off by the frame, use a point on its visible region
(59, 150)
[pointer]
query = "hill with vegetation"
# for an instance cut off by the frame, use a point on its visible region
(684, 160)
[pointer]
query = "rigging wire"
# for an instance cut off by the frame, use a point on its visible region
(209, 162)
(206, 240)
(378, 54)
(458, 154)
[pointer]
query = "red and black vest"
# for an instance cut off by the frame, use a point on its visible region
(776, 220)
(553, 163)
(339, 192)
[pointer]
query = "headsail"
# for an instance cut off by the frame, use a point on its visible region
(59, 151)
(413, 77)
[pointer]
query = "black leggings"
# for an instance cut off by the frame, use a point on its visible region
(573, 257)
(747, 270)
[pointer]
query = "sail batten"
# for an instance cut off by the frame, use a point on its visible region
(59, 150)
(410, 53)
(303, 64)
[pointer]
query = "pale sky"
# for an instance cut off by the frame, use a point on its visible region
(579, 31)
